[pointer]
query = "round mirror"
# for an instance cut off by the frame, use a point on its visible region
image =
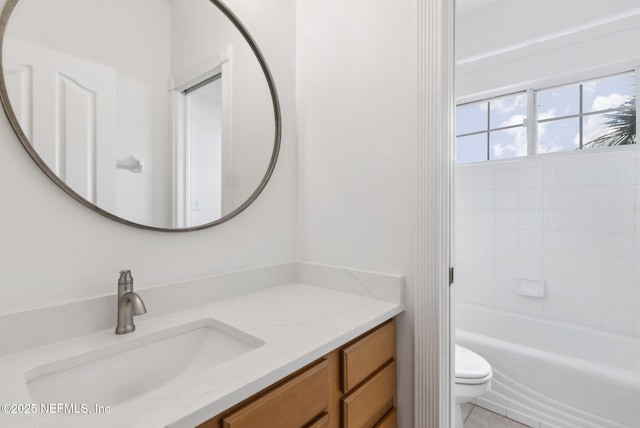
(161, 114)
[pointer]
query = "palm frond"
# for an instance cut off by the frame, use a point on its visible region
(621, 128)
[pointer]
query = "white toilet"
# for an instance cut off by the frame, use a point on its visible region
(473, 378)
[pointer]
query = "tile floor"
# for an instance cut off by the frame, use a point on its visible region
(478, 417)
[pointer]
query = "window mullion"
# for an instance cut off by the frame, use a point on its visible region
(488, 130)
(637, 73)
(532, 123)
(581, 124)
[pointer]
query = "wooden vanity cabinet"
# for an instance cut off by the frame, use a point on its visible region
(352, 387)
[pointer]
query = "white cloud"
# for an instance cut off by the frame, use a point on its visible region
(513, 142)
(508, 105)
(546, 145)
(610, 101)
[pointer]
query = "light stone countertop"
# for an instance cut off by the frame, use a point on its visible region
(298, 323)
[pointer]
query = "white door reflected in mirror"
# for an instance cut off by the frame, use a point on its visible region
(172, 82)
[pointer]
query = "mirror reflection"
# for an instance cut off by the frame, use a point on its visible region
(156, 111)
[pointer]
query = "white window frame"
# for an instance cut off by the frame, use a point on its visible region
(531, 121)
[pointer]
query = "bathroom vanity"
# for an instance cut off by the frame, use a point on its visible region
(220, 351)
(353, 386)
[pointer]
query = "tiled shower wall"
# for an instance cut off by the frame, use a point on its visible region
(570, 219)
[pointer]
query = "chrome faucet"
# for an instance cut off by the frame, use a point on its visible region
(129, 303)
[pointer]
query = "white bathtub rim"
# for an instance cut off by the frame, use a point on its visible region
(552, 323)
(624, 377)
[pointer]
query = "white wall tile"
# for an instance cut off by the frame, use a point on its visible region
(485, 276)
(505, 298)
(464, 199)
(464, 236)
(485, 199)
(505, 258)
(588, 266)
(618, 318)
(507, 198)
(556, 219)
(486, 179)
(485, 237)
(530, 177)
(485, 218)
(464, 292)
(530, 240)
(621, 293)
(530, 261)
(483, 295)
(485, 257)
(572, 220)
(618, 221)
(637, 196)
(464, 178)
(559, 263)
(617, 269)
(530, 198)
(557, 240)
(586, 312)
(506, 177)
(586, 288)
(586, 243)
(558, 285)
(557, 307)
(464, 274)
(507, 238)
(617, 197)
(506, 277)
(618, 244)
(506, 218)
(582, 220)
(465, 218)
(617, 171)
(530, 305)
(464, 254)
(530, 219)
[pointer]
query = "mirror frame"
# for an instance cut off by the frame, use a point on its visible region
(4, 98)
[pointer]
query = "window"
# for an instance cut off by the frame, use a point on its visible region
(587, 115)
(590, 114)
(492, 129)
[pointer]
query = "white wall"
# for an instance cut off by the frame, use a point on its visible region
(356, 82)
(571, 218)
(55, 249)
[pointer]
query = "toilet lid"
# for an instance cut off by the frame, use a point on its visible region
(470, 365)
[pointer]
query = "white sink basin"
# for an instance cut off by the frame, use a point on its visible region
(136, 365)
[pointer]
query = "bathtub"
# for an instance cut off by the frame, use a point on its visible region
(551, 374)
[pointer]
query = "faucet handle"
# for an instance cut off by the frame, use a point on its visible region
(125, 277)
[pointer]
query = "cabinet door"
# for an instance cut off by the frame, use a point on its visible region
(294, 404)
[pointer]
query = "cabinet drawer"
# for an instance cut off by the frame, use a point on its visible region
(368, 354)
(390, 420)
(322, 422)
(365, 406)
(293, 404)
